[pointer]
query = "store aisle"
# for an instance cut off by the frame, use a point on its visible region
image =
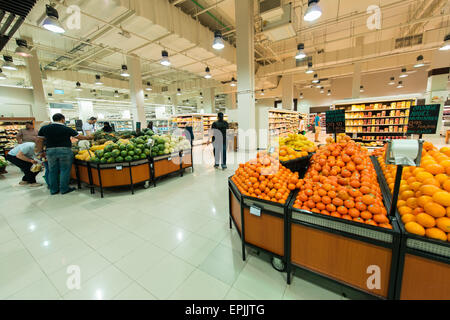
(168, 242)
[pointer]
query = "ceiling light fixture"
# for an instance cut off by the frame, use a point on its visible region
(301, 95)
(78, 86)
(321, 90)
(178, 92)
(9, 63)
(403, 74)
(400, 85)
(218, 43)
(208, 74)
(145, 96)
(22, 49)
(309, 69)
(262, 92)
(124, 71)
(300, 53)
(2, 75)
(116, 93)
(165, 58)
(149, 86)
(51, 22)
(316, 79)
(313, 12)
(329, 93)
(361, 88)
(318, 86)
(446, 44)
(233, 82)
(50, 96)
(98, 81)
(419, 62)
(392, 81)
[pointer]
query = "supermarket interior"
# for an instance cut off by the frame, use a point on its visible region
(225, 150)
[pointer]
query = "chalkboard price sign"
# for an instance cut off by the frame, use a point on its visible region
(335, 121)
(423, 119)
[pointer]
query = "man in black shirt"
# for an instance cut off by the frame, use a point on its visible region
(219, 140)
(59, 152)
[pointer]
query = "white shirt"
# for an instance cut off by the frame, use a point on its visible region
(88, 127)
(301, 127)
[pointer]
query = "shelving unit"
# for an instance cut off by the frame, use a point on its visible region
(282, 122)
(119, 124)
(446, 119)
(200, 123)
(9, 128)
(161, 126)
(378, 120)
(322, 116)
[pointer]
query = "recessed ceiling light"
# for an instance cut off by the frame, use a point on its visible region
(178, 92)
(98, 80)
(78, 86)
(419, 62)
(361, 88)
(208, 74)
(400, 84)
(446, 45)
(403, 74)
(124, 71)
(233, 82)
(329, 93)
(51, 22)
(313, 12)
(392, 82)
(316, 79)
(149, 86)
(309, 69)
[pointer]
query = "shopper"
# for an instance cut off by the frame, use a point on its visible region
(43, 157)
(29, 134)
(301, 126)
(56, 137)
(150, 125)
(107, 127)
(316, 128)
(23, 156)
(219, 141)
(89, 126)
(190, 135)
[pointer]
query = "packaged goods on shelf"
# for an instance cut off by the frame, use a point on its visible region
(200, 123)
(9, 128)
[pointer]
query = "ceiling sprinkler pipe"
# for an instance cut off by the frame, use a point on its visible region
(210, 14)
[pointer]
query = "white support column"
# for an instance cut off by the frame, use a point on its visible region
(437, 83)
(245, 58)
(356, 84)
(209, 100)
(136, 91)
(40, 107)
(85, 110)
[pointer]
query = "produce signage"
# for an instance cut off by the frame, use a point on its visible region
(335, 121)
(423, 119)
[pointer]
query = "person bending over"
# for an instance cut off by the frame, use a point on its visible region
(23, 156)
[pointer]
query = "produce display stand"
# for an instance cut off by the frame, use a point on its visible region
(299, 165)
(111, 175)
(187, 160)
(167, 164)
(261, 224)
(424, 263)
(344, 251)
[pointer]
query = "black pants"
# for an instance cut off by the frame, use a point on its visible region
(25, 166)
(220, 153)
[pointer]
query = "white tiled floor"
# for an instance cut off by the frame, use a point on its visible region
(168, 242)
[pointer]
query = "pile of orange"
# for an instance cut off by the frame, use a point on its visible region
(341, 182)
(265, 178)
(424, 196)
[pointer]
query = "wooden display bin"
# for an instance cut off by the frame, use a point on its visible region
(344, 251)
(113, 175)
(265, 231)
(187, 160)
(167, 164)
(424, 268)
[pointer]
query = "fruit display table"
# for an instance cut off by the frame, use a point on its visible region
(112, 175)
(344, 251)
(424, 263)
(260, 224)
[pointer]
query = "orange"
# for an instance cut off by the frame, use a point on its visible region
(401, 203)
(436, 233)
(380, 218)
(366, 215)
(435, 169)
(425, 220)
(432, 181)
(415, 228)
(412, 203)
(368, 199)
(446, 185)
(354, 213)
(442, 197)
(421, 176)
(405, 195)
(415, 185)
(434, 209)
(429, 190)
(441, 178)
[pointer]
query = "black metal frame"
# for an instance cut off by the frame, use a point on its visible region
(404, 249)
(165, 157)
(232, 188)
(299, 165)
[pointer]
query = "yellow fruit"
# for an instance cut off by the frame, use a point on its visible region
(432, 181)
(405, 195)
(404, 188)
(404, 210)
(443, 224)
(401, 203)
(408, 217)
(436, 233)
(434, 209)
(412, 203)
(421, 176)
(429, 190)
(415, 185)
(422, 200)
(442, 197)
(425, 220)
(441, 178)
(414, 227)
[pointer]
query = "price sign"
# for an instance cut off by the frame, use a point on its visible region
(423, 119)
(118, 168)
(255, 211)
(335, 121)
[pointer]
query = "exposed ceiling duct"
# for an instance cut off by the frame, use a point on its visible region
(12, 15)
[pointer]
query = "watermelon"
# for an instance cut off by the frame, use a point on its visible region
(103, 160)
(147, 151)
(110, 160)
(131, 153)
(123, 146)
(143, 156)
(99, 153)
(137, 151)
(135, 157)
(115, 153)
(119, 159)
(107, 155)
(128, 158)
(140, 146)
(130, 147)
(123, 153)
(108, 148)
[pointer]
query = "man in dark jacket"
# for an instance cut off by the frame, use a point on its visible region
(219, 141)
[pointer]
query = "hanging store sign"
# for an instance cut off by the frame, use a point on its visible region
(335, 121)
